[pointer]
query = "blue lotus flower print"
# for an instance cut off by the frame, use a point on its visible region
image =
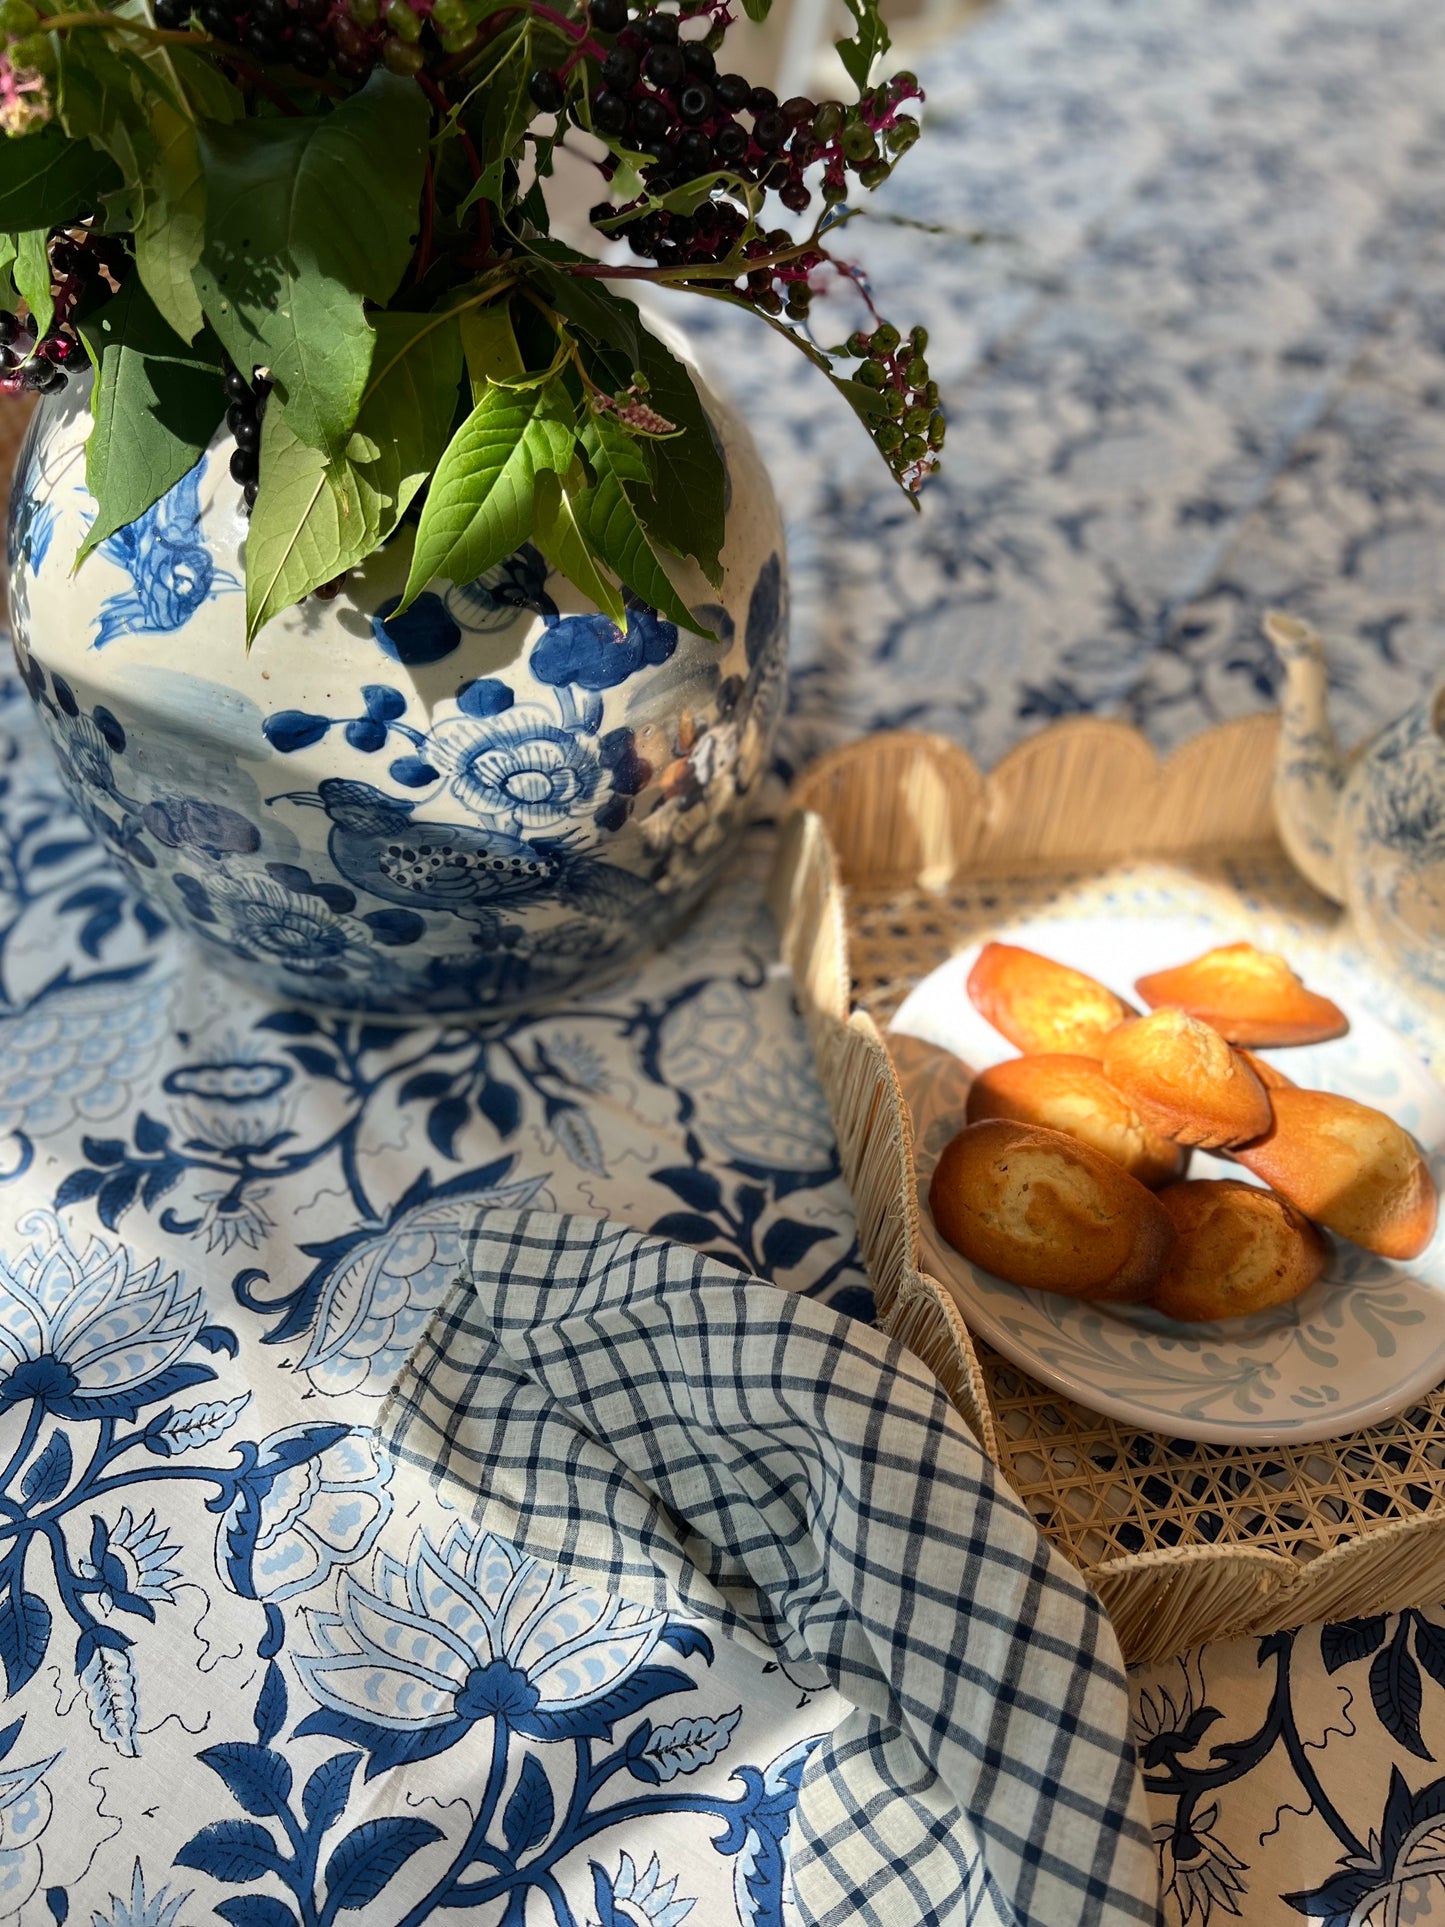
(135, 1562)
(171, 569)
(643, 1897)
(1197, 1870)
(477, 1631)
(25, 1810)
(138, 1908)
(91, 1334)
(519, 769)
(320, 1512)
(265, 920)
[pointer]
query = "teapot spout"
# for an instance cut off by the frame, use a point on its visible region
(1309, 772)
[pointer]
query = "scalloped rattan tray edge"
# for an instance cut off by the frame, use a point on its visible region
(907, 812)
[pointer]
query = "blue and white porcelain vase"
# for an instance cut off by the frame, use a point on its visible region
(493, 801)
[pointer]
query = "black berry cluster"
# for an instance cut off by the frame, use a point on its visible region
(659, 92)
(270, 31)
(247, 404)
(663, 95)
(909, 433)
(316, 36)
(84, 267)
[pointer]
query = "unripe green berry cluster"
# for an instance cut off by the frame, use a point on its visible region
(908, 429)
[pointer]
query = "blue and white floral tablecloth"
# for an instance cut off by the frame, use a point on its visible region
(1183, 272)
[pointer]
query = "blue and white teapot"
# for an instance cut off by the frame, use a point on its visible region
(1367, 829)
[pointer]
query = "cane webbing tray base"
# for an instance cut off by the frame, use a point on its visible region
(901, 856)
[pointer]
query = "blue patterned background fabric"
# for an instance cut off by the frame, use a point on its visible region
(1183, 274)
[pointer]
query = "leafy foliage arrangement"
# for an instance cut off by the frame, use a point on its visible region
(328, 220)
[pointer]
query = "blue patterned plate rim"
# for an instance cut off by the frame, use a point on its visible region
(1360, 1346)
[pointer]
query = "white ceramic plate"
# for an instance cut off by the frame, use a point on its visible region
(1361, 1345)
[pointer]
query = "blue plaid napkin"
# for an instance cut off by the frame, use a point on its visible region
(667, 1428)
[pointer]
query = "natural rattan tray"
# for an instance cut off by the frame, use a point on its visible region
(900, 853)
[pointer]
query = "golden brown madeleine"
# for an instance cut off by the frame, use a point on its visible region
(1072, 1094)
(1185, 1081)
(1040, 1209)
(1239, 1249)
(1270, 1075)
(1040, 1005)
(1350, 1168)
(1250, 997)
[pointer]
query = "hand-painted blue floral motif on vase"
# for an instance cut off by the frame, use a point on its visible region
(485, 803)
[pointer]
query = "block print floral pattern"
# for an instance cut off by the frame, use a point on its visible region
(196, 1325)
(1194, 369)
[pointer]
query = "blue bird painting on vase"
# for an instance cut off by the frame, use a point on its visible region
(166, 557)
(464, 869)
(469, 870)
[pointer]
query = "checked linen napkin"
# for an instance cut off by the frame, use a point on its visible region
(668, 1429)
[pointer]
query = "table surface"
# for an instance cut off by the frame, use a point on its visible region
(1183, 276)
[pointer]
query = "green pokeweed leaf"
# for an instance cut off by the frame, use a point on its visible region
(489, 343)
(32, 274)
(506, 109)
(171, 227)
(317, 516)
(602, 317)
(306, 219)
(479, 507)
(867, 403)
(155, 72)
(533, 208)
(684, 504)
(555, 531)
(157, 404)
(757, 9)
(100, 90)
(47, 179)
(610, 524)
(871, 40)
(686, 508)
(206, 87)
(8, 251)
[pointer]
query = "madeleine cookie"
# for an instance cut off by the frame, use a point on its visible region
(1040, 1209)
(1349, 1167)
(1185, 1081)
(1239, 1250)
(1040, 1005)
(1250, 997)
(1072, 1094)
